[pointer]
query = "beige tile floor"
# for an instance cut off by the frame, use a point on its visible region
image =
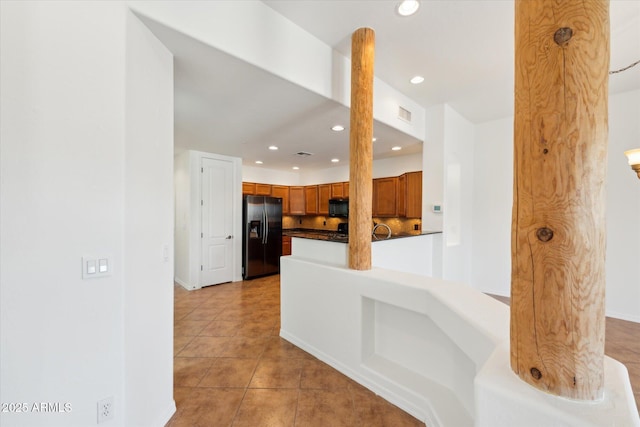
(232, 369)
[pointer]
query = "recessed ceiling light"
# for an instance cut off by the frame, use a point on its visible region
(335, 160)
(273, 147)
(396, 148)
(417, 80)
(337, 128)
(407, 7)
(295, 168)
(258, 162)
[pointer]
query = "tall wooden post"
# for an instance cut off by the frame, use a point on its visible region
(558, 229)
(360, 149)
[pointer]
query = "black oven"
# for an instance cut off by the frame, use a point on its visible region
(339, 208)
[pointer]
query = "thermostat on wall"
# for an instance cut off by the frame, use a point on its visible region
(437, 208)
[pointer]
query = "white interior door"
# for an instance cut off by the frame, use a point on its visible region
(217, 222)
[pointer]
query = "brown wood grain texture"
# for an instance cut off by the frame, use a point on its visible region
(558, 227)
(296, 200)
(361, 148)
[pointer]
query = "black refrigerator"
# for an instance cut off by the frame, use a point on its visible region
(261, 236)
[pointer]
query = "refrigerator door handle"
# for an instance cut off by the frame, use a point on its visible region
(266, 225)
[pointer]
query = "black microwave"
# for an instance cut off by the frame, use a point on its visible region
(339, 208)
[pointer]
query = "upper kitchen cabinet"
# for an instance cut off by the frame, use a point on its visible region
(324, 194)
(296, 201)
(255, 189)
(282, 191)
(337, 190)
(263, 190)
(311, 199)
(410, 195)
(248, 188)
(385, 199)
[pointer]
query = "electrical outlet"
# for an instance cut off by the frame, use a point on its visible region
(105, 409)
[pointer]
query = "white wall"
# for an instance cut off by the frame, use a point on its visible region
(447, 179)
(392, 166)
(492, 202)
(458, 197)
(188, 216)
(269, 176)
(182, 186)
(493, 159)
(148, 229)
(68, 190)
(623, 210)
(433, 168)
(285, 50)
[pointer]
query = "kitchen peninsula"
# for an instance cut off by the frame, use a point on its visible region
(407, 252)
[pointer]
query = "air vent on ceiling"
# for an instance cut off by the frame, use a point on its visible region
(404, 114)
(304, 154)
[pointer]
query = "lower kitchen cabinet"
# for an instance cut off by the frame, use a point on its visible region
(286, 245)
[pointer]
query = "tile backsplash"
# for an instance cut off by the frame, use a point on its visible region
(321, 222)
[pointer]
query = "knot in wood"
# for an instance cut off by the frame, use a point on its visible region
(544, 234)
(562, 35)
(535, 373)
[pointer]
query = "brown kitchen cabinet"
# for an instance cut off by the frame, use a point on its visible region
(286, 245)
(263, 189)
(248, 188)
(324, 194)
(337, 191)
(345, 189)
(296, 201)
(311, 199)
(281, 191)
(385, 199)
(410, 195)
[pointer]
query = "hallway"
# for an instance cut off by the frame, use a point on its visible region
(232, 369)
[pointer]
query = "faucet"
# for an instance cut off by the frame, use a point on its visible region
(375, 227)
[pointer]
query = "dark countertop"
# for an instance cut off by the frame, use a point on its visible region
(334, 236)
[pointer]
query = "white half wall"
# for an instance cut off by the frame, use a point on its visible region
(493, 196)
(437, 349)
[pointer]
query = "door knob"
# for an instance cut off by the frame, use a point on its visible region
(229, 237)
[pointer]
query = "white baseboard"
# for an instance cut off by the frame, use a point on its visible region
(183, 284)
(622, 316)
(166, 415)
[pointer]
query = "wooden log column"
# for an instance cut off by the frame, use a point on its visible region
(558, 228)
(361, 149)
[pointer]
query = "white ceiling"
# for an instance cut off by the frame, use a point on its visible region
(464, 49)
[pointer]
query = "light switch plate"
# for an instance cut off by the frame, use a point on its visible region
(102, 266)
